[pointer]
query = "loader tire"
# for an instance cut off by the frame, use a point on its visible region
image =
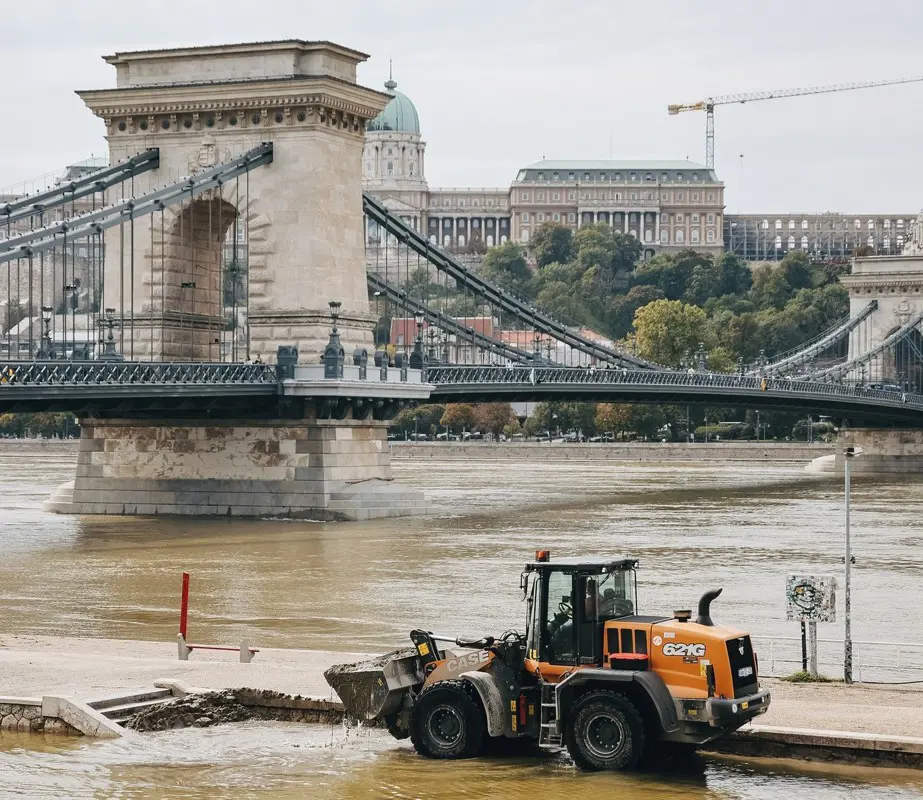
(447, 721)
(605, 732)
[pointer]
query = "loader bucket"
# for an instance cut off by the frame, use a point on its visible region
(373, 689)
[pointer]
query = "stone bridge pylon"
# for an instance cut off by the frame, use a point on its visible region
(301, 216)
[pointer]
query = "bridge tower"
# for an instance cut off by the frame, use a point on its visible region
(318, 449)
(303, 213)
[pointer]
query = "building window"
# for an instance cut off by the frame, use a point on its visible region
(541, 176)
(490, 202)
(778, 242)
(900, 224)
(695, 176)
(475, 202)
(617, 197)
(791, 242)
(571, 217)
(524, 196)
(871, 240)
(634, 195)
(679, 197)
(571, 195)
(900, 240)
(390, 167)
(664, 218)
(711, 219)
(709, 236)
(586, 176)
(602, 176)
(679, 217)
(554, 176)
(570, 176)
(664, 236)
(694, 236)
(887, 226)
(541, 217)
(679, 176)
(665, 196)
(525, 235)
(711, 197)
(778, 224)
(804, 242)
(695, 197)
(765, 225)
(390, 151)
(648, 176)
(886, 242)
(804, 224)
(411, 169)
(445, 202)
(368, 168)
(695, 219)
(540, 196)
(618, 177)
(871, 224)
(634, 176)
(858, 224)
(556, 218)
(525, 216)
(680, 237)
(791, 224)
(556, 196)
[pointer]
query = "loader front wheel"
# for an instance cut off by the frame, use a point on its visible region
(605, 732)
(447, 721)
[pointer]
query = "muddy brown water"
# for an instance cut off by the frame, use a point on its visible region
(364, 586)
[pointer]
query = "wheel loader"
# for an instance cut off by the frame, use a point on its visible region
(591, 675)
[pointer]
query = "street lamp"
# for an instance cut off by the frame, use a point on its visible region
(46, 351)
(849, 454)
(72, 288)
(109, 352)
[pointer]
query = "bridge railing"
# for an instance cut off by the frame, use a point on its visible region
(704, 380)
(77, 373)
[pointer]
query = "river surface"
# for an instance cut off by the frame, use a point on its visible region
(363, 586)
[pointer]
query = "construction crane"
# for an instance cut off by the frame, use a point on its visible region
(708, 104)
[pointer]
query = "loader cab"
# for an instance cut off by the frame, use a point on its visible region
(570, 600)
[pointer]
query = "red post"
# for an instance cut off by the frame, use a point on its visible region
(184, 605)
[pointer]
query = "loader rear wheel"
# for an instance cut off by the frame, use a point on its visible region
(605, 732)
(447, 721)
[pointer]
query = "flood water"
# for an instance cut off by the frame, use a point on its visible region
(364, 586)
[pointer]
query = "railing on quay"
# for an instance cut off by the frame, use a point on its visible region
(533, 376)
(887, 662)
(78, 373)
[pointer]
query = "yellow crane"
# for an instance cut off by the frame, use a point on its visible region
(708, 104)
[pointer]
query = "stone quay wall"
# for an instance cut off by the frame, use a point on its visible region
(24, 715)
(632, 451)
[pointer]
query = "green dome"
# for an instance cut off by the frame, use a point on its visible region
(399, 115)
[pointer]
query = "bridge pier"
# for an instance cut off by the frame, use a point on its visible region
(885, 451)
(324, 469)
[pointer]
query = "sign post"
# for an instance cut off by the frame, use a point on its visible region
(811, 599)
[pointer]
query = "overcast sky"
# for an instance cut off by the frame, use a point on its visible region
(500, 84)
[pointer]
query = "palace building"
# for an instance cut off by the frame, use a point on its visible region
(667, 205)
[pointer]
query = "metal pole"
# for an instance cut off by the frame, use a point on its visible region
(804, 647)
(812, 636)
(847, 654)
(184, 605)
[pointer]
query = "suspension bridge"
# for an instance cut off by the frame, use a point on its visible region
(209, 305)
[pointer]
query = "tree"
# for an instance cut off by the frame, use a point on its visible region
(667, 329)
(621, 311)
(422, 419)
(552, 242)
(615, 417)
(493, 417)
(796, 266)
(506, 266)
(458, 416)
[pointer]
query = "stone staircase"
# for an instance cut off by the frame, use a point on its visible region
(119, 708)
(61, 499)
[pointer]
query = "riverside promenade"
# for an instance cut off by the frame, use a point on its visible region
(861, 722)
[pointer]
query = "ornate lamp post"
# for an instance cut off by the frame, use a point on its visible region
(536, 346)
(109, 352)
(418, 357)
(46, 350)
(334, 355)
(73, 288)
(700, 357)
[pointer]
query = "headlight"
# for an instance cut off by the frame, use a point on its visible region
(734, 708)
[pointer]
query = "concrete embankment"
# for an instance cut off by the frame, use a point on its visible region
(860, 723)
(631, 451)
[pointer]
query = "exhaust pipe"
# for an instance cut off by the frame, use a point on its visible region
(705, 606)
